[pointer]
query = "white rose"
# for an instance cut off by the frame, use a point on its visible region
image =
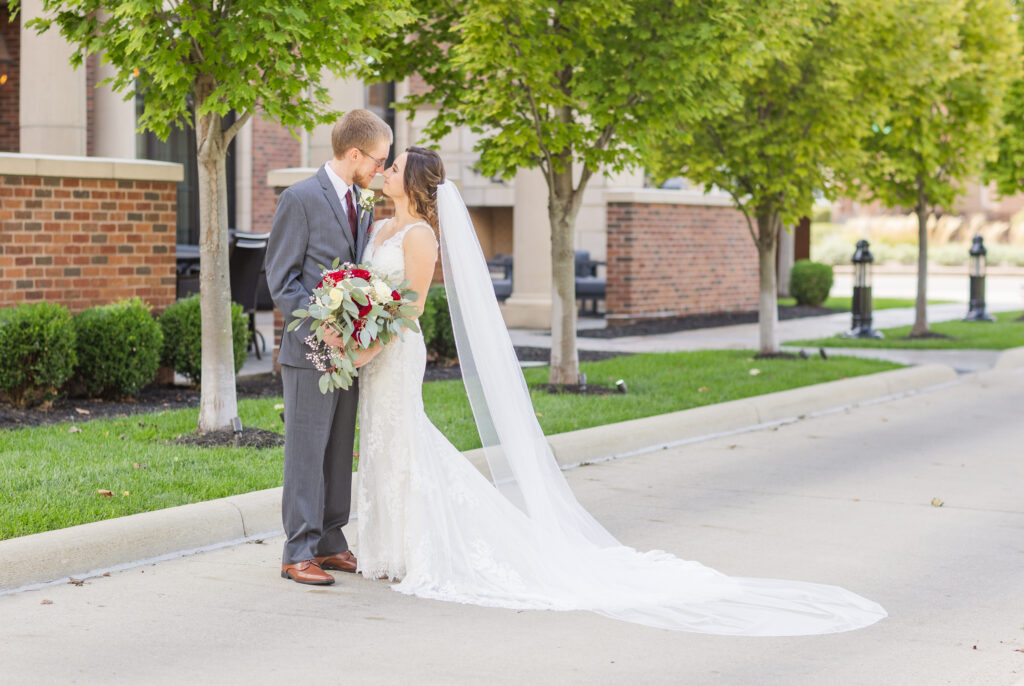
(336, 296)
(381, 291)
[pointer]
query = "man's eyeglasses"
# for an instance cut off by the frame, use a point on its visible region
(379, 163)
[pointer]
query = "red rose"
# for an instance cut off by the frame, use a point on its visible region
(395, 295)
(364, 310)
(359, 274)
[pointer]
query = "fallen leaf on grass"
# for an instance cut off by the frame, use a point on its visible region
(755, 372)
(74, 430)
(937, 502)
(143, 465)
(105, 493)
(702, 389)
(81, 411)
(126, 493)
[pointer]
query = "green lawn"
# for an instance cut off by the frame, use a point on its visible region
(52, 475)
(1002, 334)
(844, 302)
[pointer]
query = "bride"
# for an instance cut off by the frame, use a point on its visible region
(430, 520)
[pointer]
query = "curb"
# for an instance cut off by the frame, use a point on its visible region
(90, 549)
(1010, 359)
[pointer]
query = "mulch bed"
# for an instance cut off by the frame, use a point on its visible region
(701, 321)
(249, 438)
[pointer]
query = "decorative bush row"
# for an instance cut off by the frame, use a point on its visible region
(111, 351)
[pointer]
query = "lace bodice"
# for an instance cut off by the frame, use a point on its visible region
(389, 257)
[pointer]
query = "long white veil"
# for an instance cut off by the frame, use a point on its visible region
(653, 588)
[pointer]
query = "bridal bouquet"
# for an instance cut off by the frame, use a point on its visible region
(359, 305)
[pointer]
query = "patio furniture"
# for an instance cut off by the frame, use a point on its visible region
(501, 266)
(589, 287)
(246, 267)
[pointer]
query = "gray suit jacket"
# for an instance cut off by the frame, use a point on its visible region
(310, 228)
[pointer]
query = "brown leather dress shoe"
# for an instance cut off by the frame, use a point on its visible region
(343, 562)
(307, 572)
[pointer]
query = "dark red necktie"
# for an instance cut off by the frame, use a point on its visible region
(352, 221)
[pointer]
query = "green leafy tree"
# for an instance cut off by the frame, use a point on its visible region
(195, 62)
(941, 132)
(571, 88)
(799, 119)
(1007, 168)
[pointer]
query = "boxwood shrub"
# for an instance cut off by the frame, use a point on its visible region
(37, 352)
(183, 341)
(119, 348)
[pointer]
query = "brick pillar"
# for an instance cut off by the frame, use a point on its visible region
(677, 253)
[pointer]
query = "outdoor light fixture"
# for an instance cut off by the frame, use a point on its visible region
(861, 307)
(976, 309)
(6, 61)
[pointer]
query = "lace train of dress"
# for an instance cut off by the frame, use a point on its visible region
(429, 518)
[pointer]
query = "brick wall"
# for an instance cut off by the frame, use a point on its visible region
(677, 260)
(273, 147)
(10, 134)
(84, 242)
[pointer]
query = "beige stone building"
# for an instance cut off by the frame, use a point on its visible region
(48, 108)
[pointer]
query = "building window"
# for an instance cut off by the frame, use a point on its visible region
(380, 99)
(180, 147)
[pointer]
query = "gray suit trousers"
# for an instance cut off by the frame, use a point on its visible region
(316, 501)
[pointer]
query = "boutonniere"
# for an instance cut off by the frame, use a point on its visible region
(367, 199)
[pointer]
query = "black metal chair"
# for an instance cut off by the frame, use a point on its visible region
(246, 266)
(588, 285)
(501, 264)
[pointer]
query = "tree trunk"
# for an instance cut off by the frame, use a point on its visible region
(920, 327)
(768, 303)
(217, 404)
(565, 364)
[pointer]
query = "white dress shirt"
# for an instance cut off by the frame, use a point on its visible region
(341, 187)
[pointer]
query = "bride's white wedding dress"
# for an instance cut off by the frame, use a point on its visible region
(429, 518)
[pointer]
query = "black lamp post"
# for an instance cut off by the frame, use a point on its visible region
(976, 309)
(861, 308)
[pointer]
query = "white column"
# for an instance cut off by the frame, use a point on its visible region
(52, 103)
(114, 118)
(529, 306)
(346, 94)
(787, 246)
(243, 178)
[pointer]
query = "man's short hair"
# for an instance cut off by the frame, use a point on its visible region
(359, 129)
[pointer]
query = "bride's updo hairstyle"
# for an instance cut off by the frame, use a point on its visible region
(424, 172)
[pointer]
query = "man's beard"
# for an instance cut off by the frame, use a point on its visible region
(363, 179)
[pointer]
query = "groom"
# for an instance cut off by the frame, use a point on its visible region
(318, 220)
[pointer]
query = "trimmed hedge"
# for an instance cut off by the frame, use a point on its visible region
(37, 352)
(436, 324)
(119, 348)
(183, 337)
(810, 282)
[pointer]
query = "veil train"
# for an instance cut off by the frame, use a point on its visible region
(653, 588)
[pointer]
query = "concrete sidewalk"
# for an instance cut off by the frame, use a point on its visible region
(746, 337)
(843, 498)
